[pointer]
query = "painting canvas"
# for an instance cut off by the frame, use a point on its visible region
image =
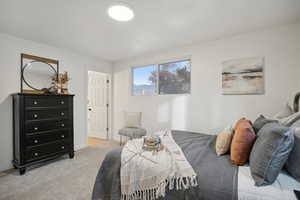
(243, 76)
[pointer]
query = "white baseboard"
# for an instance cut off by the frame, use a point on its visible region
(95, 136)
(80, 146)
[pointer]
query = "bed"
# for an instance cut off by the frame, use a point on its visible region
(218, 178)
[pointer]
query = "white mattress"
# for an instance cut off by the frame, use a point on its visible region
(282, 189)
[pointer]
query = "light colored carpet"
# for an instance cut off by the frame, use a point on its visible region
(64, 179)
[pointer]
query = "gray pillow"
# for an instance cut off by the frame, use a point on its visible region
(260, 122)
(293, 163)
(270, 152)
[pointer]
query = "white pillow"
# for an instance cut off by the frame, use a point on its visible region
(285, 112)
(133, 119)
(291, 100)
(290, 120)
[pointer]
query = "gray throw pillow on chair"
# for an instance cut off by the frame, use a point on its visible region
(293, 163)
(270, 152)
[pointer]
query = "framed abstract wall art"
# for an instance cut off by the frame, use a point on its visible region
(243, 76)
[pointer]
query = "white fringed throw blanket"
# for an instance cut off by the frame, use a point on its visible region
(145, 175)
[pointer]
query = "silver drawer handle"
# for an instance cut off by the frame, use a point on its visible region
(62, 136)
(62, 102)
(62, 147)
(62, 125)
(36, 128)
(36, 141)
(35, 115)
(36, 154)
(62, 113)
(35, 102)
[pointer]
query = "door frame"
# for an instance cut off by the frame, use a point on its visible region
(109, 113)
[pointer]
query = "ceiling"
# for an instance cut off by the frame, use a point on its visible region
(83, 26)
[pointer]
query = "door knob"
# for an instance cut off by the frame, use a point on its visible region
(90, 109)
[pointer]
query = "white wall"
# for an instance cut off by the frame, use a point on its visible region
(206, 109)
(76, 65)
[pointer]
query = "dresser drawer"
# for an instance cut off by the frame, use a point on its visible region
(46, 114)
(46, 137)
(38, 126)
(46, 101)
(40, 151)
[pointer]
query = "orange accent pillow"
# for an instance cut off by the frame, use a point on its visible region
(242, 142)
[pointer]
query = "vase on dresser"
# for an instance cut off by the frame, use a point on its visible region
(43, 128)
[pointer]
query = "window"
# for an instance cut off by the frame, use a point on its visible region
(144, 80)
(173, 78)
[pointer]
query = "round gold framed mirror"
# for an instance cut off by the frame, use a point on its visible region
(37, 74)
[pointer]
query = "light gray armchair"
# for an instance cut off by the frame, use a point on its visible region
(132, 127)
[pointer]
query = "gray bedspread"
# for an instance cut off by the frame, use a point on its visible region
(217, 177)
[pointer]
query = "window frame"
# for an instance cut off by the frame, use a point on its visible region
(157, 64)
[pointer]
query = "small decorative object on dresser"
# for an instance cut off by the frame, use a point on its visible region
(62, 82)
(43, 128)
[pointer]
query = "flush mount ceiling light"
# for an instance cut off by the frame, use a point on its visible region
(120, 12)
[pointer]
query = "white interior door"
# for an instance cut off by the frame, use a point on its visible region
(97, 105)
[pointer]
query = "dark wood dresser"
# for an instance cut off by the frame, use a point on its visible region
(43, 128)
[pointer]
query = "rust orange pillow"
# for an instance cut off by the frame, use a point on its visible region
(242, 142)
